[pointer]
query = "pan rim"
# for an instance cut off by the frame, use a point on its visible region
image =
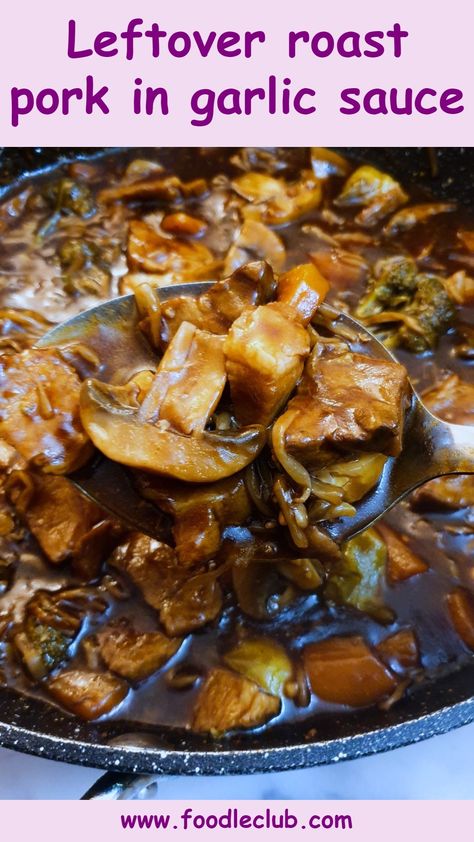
(241, 760)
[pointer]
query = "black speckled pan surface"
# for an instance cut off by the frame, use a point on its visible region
(34, 727)
(31, 726)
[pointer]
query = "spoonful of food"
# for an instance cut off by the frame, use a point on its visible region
(350, 443)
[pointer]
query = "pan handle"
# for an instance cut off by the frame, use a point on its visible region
(120, 786)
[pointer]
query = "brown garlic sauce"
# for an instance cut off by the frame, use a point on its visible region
(30, 279)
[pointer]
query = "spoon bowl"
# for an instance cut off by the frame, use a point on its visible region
(431, 447)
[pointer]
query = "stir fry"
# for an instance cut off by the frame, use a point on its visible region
(258, 421)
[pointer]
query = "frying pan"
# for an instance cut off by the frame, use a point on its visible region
(132, 750)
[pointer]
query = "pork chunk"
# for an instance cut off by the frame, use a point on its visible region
(88, 694)
(39, 410)
(189, 382)
(151, 565)
(198, 527)
(58, 515)
(197, 602)
(216, 309)
(184, 603)
(183, 308)
(347, 402)
(265, 351)
(228, 701)
(200, 513)
(135, 655)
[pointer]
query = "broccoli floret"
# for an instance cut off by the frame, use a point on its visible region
(66, 198)
(70, 197)
(433, 310)
(76, 254)
(51, 644)
(41, 647)
(376, 192)
(51, 623)
(83, 270)
(422, 302)
(393, 288)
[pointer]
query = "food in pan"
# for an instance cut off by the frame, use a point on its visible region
(259, 421)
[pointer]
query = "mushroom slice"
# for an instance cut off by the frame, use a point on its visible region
(407, 218)
(275, 201)
(255, 241)
(250, 285)
(164, 188)
(216, 310)
(182, 224)
(460, 288)
(150, 251)
(375, 192)
(116, 431)
(343, 269)
(326, 163)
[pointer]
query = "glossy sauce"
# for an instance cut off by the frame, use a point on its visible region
(29, 279)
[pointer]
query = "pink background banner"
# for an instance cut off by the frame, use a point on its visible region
(358, 821)
(365, 73)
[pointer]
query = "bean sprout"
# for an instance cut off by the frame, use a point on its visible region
(290, 465)
(149, 308)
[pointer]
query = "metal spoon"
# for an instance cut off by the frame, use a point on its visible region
(431, 448)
